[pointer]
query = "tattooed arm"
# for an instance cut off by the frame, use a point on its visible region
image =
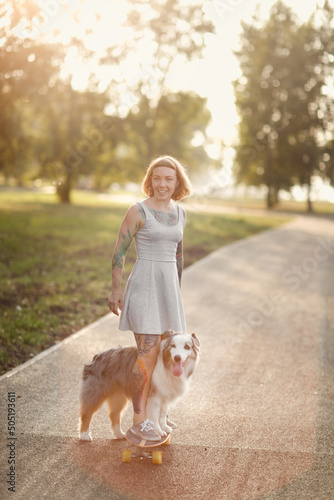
(179, 251)
(179, 260)
(132, 221)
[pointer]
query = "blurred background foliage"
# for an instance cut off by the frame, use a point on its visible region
(285, 100)
(109, 132)
(49, 130)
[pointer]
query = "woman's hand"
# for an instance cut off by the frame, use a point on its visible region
(115, 301)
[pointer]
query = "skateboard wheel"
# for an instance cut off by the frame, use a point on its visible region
(126, 456)
(168, 440)
(157, 457)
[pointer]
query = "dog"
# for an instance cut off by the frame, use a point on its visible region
(108, 378)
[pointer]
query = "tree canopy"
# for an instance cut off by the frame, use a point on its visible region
(51, 130)
(283, 100)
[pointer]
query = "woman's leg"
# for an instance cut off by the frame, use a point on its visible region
(148, 350)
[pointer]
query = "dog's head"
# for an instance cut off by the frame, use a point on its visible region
(180, 352)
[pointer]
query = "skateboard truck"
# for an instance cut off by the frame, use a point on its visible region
(143, 448)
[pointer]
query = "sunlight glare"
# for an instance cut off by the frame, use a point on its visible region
(99, 25)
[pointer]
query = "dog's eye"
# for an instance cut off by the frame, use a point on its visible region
(173, 346)
(187, 347)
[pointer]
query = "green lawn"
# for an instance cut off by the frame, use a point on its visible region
(55, 263)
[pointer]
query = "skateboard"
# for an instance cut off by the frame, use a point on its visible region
(144, 448)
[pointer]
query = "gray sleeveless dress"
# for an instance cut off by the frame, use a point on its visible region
(152, 298)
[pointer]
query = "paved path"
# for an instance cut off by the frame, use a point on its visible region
(258, 420)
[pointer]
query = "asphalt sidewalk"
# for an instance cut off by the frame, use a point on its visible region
(257, 422)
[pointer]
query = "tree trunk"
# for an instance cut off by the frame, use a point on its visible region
(309, 202)
(275, 196)
(270, 200)
(64, 189)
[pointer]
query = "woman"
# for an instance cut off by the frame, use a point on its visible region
(152, 299)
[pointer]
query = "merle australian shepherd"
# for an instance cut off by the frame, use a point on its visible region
(108, 378)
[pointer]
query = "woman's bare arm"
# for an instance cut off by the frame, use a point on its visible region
(179, 260)
(179, 253)
(132, 221)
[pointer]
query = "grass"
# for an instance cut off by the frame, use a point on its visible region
(55, 263)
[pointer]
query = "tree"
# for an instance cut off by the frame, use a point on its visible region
(73, 129)
(302, 142)
(277, 97)
(323, 20)
(25, 67)
(47, 128)
(174, 33)
(262, 100)
(179, 117)
(53, 131)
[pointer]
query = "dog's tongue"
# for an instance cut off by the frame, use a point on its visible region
(178, 370)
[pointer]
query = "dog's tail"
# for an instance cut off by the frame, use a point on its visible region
(89, 369)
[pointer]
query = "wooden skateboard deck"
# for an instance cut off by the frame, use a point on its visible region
(143, 444)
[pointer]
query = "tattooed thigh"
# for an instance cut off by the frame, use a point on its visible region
(145, 343)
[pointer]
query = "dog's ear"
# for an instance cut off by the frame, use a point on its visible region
(195, 340)
(167, 334)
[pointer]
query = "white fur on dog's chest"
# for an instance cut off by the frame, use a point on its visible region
(176, 362)
(166, 384)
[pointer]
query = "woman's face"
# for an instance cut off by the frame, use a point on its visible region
(164, 183)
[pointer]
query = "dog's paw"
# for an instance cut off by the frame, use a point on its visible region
(167, 334)
(85, 436)
(158, 430)
(118, 432)
(167, 429)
